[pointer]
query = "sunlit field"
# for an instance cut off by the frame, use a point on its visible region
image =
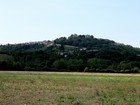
(68, 89)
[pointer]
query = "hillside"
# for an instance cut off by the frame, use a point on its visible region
(91, 43)
(75, 53)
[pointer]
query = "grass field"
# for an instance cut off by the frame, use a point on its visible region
(68, 89)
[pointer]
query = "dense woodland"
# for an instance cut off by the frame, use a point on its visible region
(78, 53)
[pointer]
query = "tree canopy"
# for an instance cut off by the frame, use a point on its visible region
(75, 53)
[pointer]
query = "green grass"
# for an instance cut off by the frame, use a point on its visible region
(61, 89)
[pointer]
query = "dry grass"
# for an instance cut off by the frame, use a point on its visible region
(68, 89)
(73, 73)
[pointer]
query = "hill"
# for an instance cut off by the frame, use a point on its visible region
(75, 53)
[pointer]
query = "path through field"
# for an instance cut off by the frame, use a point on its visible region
(73, 73)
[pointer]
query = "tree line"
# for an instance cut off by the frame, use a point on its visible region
(79, 53)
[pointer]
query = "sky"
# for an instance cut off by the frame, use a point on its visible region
(37, 20)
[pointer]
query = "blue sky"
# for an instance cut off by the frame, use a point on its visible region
(36, 20)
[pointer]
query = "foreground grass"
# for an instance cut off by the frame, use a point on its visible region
(64, 89)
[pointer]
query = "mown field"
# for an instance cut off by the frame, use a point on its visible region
(68, 89)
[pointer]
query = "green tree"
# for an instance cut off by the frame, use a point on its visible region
(75, 65)
(96, 63)
(60, 64)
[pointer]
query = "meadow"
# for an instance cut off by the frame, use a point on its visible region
(68, 89)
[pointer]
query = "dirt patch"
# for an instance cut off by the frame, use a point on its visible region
(72, 73)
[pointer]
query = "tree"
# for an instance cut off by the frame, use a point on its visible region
(60, 64)
(75, 65)
(62, 47)
(96, 63)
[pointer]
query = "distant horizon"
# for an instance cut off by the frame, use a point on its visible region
(36, 20)
(66, 37)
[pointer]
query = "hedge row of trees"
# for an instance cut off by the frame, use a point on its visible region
(52, 61)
